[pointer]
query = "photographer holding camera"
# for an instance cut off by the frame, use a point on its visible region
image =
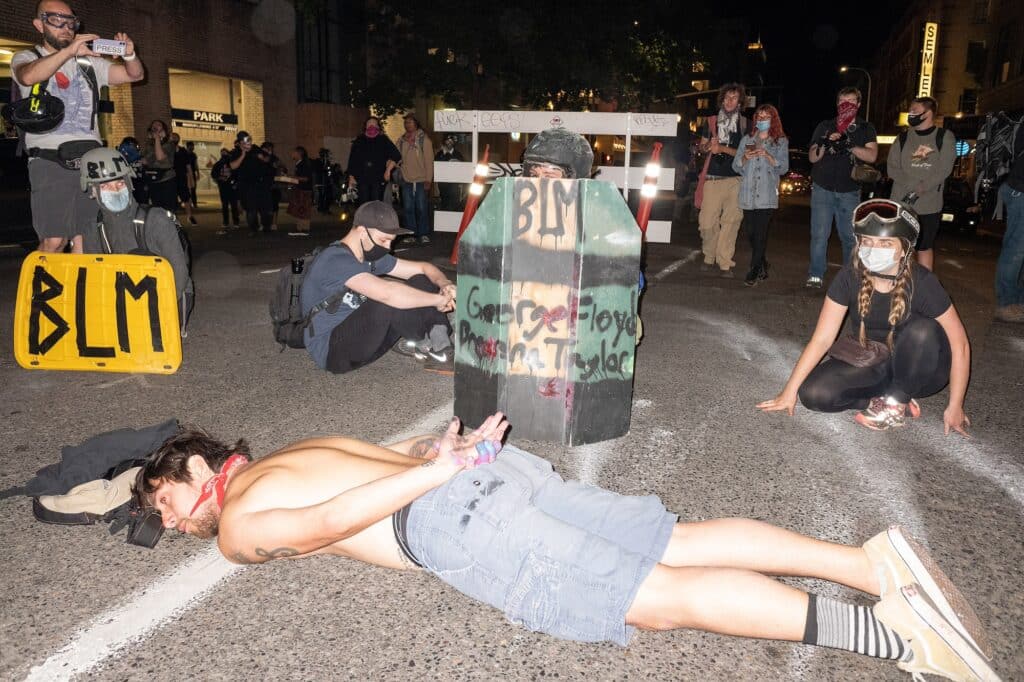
(61, 124)
(255, 177)
(837, 144)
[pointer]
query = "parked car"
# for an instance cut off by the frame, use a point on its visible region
(15, 193)
(959, 210)
(798, 179)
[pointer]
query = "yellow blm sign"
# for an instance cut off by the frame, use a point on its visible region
(105, 313)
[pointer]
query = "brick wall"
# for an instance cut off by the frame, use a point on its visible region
(220, 37)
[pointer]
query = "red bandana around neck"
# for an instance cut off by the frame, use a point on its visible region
(218, 483)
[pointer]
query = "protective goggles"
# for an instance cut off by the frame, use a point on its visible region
(882, 210)
(59, 20)
(542, 169)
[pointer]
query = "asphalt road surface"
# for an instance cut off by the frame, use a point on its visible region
(79, 602)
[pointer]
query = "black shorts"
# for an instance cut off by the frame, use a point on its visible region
(929, 230)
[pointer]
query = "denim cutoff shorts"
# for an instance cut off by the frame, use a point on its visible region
(563, 558)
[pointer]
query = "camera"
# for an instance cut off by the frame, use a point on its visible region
(145, 528)
(115, 48)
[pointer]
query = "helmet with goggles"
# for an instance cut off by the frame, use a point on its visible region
(559, 147)
(886, 218)
(102, 165)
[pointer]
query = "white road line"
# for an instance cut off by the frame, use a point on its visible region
(955, 264)
(270, 272)
(675, 265)
(169, 596)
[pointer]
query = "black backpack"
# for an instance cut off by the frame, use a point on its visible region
(286, 316)
(940, 135)
(285, 309)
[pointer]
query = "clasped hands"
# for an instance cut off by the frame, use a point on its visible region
(480, 446)
(447, 294)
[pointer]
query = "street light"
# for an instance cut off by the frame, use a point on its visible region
(867, 105)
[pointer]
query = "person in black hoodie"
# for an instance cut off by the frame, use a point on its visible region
(371, 161)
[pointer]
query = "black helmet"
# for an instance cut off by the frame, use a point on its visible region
(40, 112)
(886, 218)
(560, 147)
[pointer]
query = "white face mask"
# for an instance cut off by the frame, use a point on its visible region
(115, 201)
(877, 259)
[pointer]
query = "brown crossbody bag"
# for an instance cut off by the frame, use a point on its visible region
(848, 349)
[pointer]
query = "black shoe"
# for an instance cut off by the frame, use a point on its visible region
(193, 220)
(752, 276)
(763, 274)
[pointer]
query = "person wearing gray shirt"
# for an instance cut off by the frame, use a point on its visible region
(919, 162)
(60, 211)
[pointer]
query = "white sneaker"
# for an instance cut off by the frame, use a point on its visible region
(409, 349)
(936, 648)
(899, 561)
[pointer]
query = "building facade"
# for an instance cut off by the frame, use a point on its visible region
(937, 49)
(214, 67)
(1003, 85)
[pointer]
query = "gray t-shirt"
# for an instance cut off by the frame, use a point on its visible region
(328, 274)
(70, 85)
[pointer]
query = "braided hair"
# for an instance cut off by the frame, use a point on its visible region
(902, 292)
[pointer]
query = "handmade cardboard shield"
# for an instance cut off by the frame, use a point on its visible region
(547, 310)
(105, 313)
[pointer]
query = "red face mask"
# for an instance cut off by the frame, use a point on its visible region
(218, 483)
(847, 112)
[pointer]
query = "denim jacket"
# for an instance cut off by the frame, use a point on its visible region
(760, 185)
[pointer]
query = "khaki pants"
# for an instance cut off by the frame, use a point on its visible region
(720, 218)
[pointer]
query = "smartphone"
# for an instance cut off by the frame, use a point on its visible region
(114, 48)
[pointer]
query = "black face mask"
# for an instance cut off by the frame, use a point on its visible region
(376, 251)
(915, 120)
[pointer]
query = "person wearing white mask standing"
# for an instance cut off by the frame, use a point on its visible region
(907, 340)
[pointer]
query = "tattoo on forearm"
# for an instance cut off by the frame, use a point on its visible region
(242, 559)
(428, 463)
(279, 553)
(423, 447)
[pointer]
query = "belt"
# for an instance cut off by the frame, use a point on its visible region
(48, 154)
(720, 177)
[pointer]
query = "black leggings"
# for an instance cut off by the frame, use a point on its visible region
(374, 327)
(919, 366)
(755, 222)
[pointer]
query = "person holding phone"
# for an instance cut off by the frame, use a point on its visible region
(60, 211)
(764, 160)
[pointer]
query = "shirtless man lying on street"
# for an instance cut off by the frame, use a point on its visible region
(560, 557)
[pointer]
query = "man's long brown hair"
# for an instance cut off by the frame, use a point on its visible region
(170, 461)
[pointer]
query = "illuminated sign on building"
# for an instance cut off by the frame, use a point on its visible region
(931, 40)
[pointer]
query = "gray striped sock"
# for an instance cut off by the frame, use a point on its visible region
(854, 628)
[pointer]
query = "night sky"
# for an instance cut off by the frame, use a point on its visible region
(806, 43)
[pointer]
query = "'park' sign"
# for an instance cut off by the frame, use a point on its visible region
(102, 313)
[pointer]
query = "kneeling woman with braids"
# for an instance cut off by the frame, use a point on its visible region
(895, 301)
